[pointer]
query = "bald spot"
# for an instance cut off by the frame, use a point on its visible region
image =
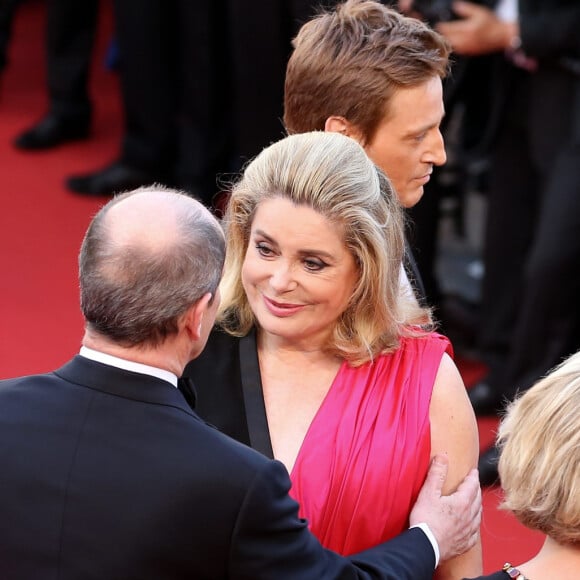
(150, 220)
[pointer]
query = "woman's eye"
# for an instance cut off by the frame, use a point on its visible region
(314, 265)
(263, 249)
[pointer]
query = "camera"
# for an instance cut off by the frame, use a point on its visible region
(434, 11)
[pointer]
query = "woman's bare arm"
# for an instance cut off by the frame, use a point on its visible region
(454, 432)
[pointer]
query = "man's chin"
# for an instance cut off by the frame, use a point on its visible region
(411, 198)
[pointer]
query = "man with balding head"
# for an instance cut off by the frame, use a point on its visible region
(107, 473)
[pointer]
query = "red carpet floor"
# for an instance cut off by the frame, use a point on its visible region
(42, 224)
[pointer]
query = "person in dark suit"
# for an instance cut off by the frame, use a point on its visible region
(174, 93)
(107, 472)
(529, 321)
(70, 34)
(202, 92)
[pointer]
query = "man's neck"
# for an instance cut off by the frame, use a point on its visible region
(162, 357)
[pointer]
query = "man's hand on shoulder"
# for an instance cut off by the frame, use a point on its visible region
(453, 519)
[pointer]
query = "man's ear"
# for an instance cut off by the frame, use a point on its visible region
(194, 316)
(336, 124)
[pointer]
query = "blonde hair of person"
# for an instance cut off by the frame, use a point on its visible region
(331, 174)
(539, 464)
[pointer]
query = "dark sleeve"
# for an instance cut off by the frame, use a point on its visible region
(270, 541)
(553, 33)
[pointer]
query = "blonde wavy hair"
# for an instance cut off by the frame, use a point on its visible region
(331, 174)
(539, 464)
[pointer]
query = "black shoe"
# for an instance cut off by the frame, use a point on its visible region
(487, 466)
(484, 399)
(51, 131)
(112, 179)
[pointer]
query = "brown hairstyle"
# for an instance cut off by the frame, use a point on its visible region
(350, 61)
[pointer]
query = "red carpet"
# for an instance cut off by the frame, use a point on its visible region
(41, 227)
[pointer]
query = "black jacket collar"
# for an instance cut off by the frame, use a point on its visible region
(119, 382)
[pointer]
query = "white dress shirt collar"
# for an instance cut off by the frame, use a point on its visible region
(128, 365)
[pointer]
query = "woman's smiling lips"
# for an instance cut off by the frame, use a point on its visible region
(281, 309)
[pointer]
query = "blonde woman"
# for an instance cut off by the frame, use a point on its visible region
(319, 360)
(539, 466)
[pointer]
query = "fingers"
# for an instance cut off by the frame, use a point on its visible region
(470, 485)
(463, 516)
(436, 476)
(468, 542)
(428, 504)
(472, 539)
(473, 524)
(453, 519)
(471, 490)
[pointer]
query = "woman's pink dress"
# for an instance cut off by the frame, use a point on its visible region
(367, 451)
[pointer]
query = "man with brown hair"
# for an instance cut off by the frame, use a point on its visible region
(368, 72)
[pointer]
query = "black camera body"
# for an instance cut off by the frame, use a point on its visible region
(434, 11)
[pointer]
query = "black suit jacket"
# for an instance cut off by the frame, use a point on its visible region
(108, 474)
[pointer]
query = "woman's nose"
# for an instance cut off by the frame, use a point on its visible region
(281, 279)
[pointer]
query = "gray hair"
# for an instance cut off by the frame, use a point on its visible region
(135, 295)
